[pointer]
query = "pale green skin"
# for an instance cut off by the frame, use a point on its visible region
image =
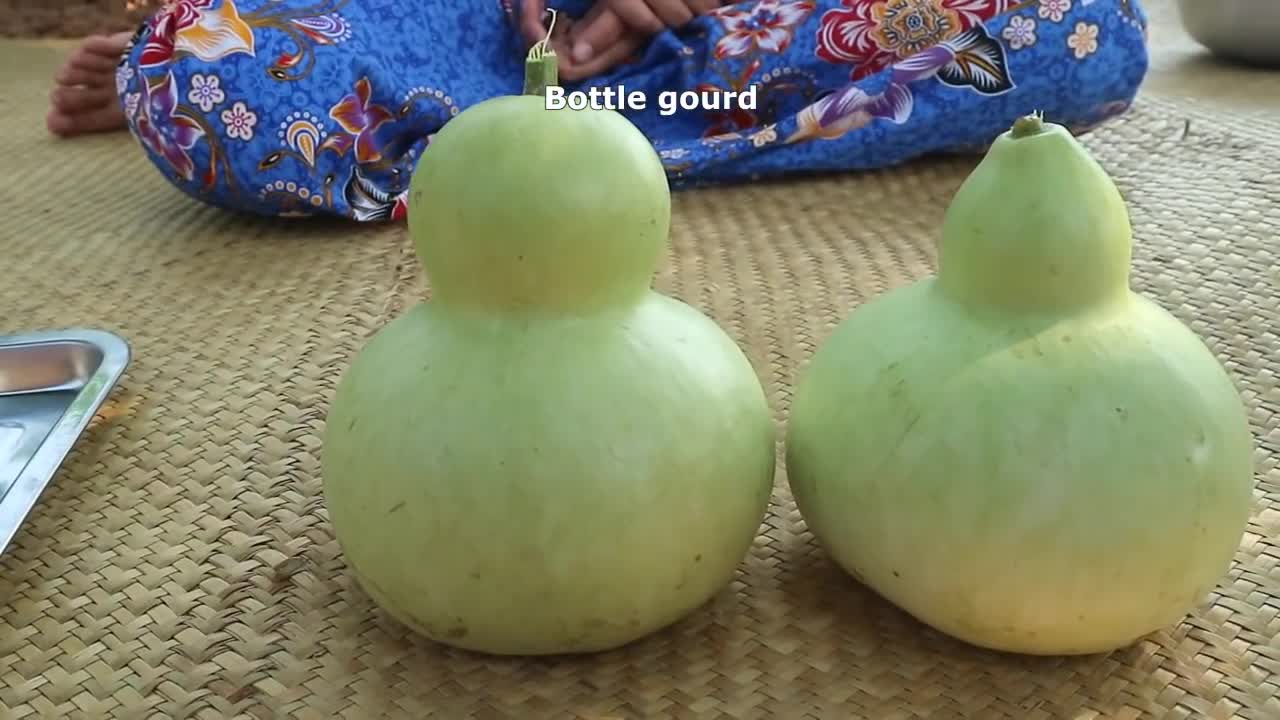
(547, 457)
(1021, 452)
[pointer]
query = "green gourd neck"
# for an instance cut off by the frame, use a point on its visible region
(541, 66)
(1037, 227)
(549, 236)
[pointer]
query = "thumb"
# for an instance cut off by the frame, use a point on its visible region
(596, 33)
(531, 27)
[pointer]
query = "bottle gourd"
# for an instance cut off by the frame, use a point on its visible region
(547, 456)
(1021, 451)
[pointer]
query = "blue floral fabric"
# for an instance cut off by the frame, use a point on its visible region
(323, 107)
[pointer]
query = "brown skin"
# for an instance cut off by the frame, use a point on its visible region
(644, 18)
(84, 94)
(610, 32)
(617, 40)
(84, 101)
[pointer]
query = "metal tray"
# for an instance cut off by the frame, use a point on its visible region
(51, 385)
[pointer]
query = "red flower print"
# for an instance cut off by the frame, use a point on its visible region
(733, 119)
(362, 119)
(727, 122)
(172, 17)
(400, 210)
(873, 34)
(767, 26)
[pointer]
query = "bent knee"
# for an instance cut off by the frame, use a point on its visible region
(277, 123)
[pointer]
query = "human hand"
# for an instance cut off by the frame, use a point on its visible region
(618, 20)
(598, 42)
(612, 40)
(654, 16)
(533, 23)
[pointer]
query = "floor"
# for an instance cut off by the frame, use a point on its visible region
(1181, 67)
(183, 565)
(64, 18)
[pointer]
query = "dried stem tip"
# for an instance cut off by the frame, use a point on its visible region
(1028, 125)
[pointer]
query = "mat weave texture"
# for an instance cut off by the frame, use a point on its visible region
(182, 566)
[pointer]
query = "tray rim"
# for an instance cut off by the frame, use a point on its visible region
(19, 500)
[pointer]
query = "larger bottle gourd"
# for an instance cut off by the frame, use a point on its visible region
(548, 456)
(1021, 451)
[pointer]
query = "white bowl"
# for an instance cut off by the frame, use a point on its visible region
(1246, 31)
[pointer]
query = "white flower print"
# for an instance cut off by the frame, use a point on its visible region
(1084, 40)
(1054, 9)
(764, 136)
(673, 153)
(205, 91)
(124, 74)
(1020, 32)
(766, 26)
(131, 104)
(239, 121)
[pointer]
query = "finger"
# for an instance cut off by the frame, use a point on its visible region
(100, 120)
(703, 7)
(592, 18)
(73, 76)
(606, 60)
(109, 46)
(561, 32)
(596, 34)
(636, 15)
(672, 13)
(73, 100)
(531, 26)
(92, 62)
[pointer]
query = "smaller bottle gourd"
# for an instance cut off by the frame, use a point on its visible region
(1021, 451)
(548, 456)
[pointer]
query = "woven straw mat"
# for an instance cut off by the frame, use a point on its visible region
(181, 564)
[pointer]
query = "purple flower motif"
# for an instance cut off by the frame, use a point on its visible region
(165, 131)
(923, 64)
(849, 109)
(972, 59)
(361, 118)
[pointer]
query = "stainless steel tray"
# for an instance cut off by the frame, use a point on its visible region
(51, 385)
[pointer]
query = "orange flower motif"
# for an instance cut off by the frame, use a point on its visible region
(905, 27)
(195, 27)
(871, 35)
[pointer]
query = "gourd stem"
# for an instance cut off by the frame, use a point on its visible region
(1027, 125)
(541, 68)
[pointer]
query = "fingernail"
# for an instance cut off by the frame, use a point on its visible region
(581, 51)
